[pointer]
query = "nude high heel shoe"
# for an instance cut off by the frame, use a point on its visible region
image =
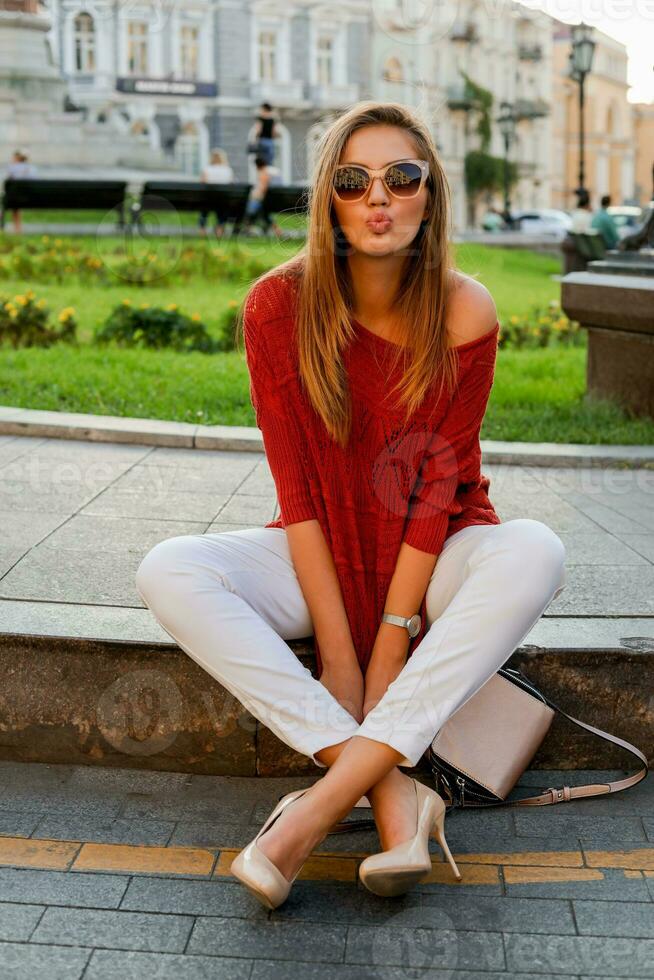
(394, 871)
(257, 872)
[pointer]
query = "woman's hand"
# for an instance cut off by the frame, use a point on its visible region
(345, 682)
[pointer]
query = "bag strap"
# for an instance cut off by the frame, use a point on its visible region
(565, 793)
(555, 794)
(552, 794)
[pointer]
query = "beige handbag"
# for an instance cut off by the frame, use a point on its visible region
(481, 751)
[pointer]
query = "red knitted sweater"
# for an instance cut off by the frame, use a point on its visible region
(420, 483)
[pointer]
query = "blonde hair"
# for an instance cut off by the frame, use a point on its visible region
(324, 293)
(218, 155)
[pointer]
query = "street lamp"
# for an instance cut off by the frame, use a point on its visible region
(506, 121)
(581, 60)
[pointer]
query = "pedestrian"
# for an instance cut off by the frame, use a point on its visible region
(604, 222)
(217, 171)
(266, 133)
(255, 208)
(371, 361)
(19, 169)
(582, 214)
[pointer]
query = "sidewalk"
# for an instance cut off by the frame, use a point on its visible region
(111, 873)
(129, 782)
(78, 514)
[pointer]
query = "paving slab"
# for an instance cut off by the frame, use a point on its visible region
(78, 514)
(557, 905)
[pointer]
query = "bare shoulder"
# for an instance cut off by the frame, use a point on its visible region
(471, 311)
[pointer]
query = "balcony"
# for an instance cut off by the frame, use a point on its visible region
(464, 31)
(530, 52)
(280, 94)
(457, 98)
(333, 96)
(531, 108)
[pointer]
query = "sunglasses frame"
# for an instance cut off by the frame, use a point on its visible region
(424, 174)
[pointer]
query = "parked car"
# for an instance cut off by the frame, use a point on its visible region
(627, 217)
(546, 221)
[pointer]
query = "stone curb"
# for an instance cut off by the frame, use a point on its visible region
(241, 438)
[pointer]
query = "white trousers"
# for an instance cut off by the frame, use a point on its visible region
(231, 600)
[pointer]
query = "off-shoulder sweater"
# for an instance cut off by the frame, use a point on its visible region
(418, 483)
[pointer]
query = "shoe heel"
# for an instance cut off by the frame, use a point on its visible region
(438, 833)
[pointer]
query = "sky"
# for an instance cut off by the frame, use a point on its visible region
(629, 21)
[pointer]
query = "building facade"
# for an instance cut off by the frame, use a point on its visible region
(421, 55)
(192, 76)
(644, 140)
(609, 141)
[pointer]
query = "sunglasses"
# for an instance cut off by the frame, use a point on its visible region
(403, 179)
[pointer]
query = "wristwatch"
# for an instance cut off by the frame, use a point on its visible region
(412, 624)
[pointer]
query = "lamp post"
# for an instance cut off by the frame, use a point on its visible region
(506, 121)
(581, 60)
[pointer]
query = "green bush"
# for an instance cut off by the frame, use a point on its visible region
(24, 322)
(156, 327)
(542, 326)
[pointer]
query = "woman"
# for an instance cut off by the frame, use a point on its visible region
(266, 133)
(218, 171)
(19, 169)
(266, 176)
(375, 457)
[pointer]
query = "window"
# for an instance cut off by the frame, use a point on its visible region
(189, 50)
(325, 60)
(187, 150)
(137, 48)
(84, 38)
(267, 56)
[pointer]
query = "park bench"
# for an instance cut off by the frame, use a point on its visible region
(227, 200)
(39, 193)
(579, 248)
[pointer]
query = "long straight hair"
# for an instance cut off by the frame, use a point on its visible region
(324, 296)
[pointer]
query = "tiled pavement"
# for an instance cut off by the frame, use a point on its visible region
(77, 517)
(108, 873)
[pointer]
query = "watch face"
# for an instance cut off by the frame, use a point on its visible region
(414, 625)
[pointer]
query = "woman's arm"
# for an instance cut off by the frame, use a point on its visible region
(314, 565)
(284, 442)
(453, 456)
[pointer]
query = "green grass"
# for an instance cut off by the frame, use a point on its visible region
(539, 395)
(187, 219)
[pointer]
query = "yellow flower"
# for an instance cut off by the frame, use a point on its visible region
(45, 238)
(13, 313)
(21, 300)
(232, 303)
(145, 306)
(30, 294)
(515, 319)
(41, 304)
(195, 316)
(57, 241)
(127, 302)
(172, 306)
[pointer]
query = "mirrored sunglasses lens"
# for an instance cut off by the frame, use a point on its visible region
(403, 179)
(350, 183)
